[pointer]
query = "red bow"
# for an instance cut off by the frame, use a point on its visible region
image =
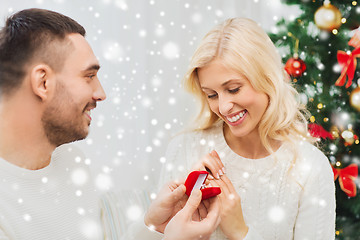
(317, 131)
(349, 63)
(347, 177)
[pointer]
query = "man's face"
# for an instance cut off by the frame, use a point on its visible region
(67, 117)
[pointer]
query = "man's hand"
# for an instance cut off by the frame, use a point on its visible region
(168, 202)
(183, 227)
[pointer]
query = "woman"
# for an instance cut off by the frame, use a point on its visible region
(275, 183)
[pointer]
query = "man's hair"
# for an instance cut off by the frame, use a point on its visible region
(29, 35)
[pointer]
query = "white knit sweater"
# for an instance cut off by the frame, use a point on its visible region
(278, 201)
(56, 202)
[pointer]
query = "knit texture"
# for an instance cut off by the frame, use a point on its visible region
(56, 202)
(279, 200)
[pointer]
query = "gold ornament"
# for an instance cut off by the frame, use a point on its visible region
(334, 132)
(328, 17)
(355, 98)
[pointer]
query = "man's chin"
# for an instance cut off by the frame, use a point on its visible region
(74, 138)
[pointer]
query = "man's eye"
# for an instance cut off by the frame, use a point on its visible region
(235, 90)
(91, 76)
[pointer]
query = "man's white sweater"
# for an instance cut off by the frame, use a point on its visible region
(56, 202)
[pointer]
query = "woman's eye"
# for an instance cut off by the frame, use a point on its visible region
(235, 90)
(212, 95)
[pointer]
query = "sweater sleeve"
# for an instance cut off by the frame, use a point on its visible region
(138, 231)
(316, 213)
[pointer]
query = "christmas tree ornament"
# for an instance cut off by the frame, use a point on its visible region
(328, 17)
(334, 132)
(348, 62)
(355, 98)
(318, 131)
(294, 66)
(347, 177)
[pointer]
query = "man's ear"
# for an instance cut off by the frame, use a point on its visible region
(42, 80)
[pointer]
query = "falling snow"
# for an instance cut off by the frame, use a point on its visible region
(144, 53)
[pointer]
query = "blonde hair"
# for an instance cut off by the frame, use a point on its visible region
(243, 46)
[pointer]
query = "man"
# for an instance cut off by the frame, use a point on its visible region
(48, 87)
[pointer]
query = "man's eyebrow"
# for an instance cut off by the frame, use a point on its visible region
(92, 67)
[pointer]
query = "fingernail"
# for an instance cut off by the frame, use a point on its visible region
(217, 176)
(224, 170)
(210, 177)
(220, 172)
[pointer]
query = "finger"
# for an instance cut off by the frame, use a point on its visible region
(212, 164)
(217, 157)
(228, 183)
(213, 215)
(224, 188)
(178, 193)
(202, 210)
(196, 216)
(192, 203)
(206, 204)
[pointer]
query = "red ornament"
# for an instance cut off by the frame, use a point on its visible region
(295, 67)
(318, 131)
(347, 177)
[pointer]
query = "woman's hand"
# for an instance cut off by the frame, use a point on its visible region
(211, 163)
(232, 220)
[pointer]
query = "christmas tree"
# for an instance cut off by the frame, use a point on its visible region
(320, 49)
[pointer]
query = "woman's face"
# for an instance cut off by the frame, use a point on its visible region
(232, 98)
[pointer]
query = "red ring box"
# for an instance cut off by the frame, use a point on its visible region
(196, 179)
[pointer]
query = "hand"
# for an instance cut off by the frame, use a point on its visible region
(170, 200)
(232, 220)
(211, 162)
(182, 227)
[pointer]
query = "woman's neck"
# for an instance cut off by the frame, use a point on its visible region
(249, 146)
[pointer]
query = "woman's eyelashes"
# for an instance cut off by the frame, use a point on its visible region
(212, 95)
(232, 91)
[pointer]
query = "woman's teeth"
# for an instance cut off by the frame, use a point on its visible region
(236, 117)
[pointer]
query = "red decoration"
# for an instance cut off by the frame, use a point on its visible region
(347, 177)
(348, 61)
(317, 131)
(295, 67)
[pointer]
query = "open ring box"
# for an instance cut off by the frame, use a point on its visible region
(196, 180)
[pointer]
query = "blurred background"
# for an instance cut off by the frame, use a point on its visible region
(144, 48)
